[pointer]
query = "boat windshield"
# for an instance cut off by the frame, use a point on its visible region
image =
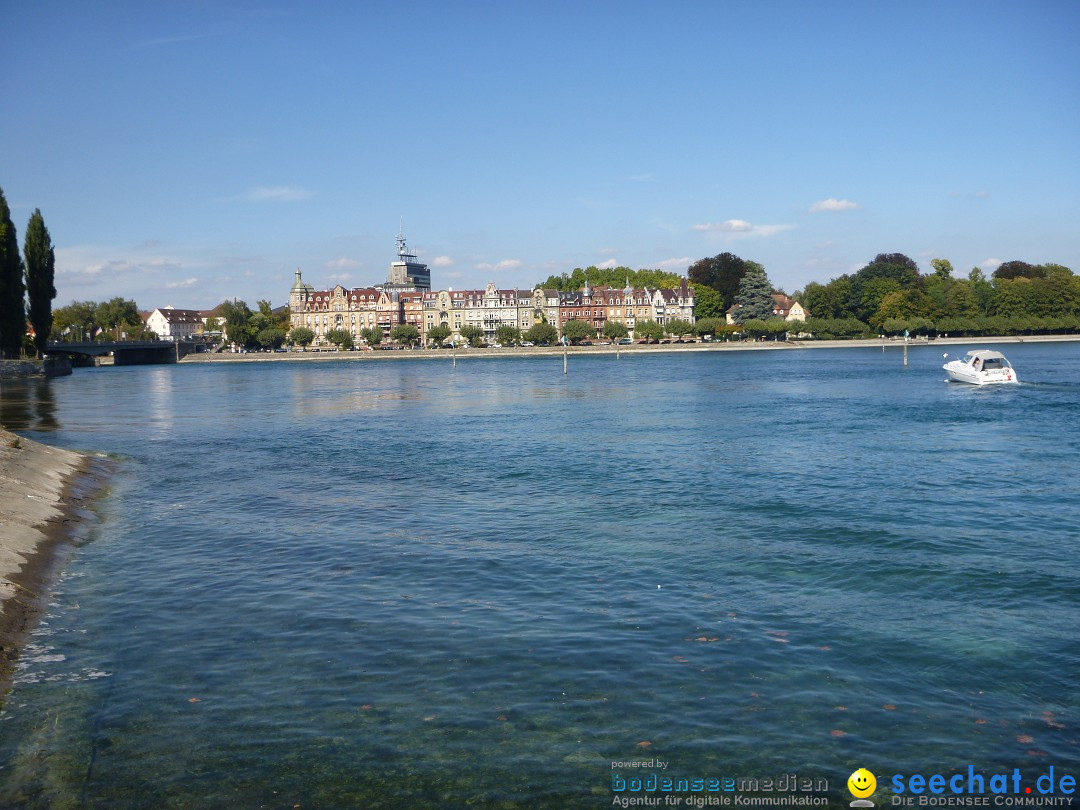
(991, 363)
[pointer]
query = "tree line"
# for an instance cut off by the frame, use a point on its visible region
(616, 277)
(26, 284)
(888, 295)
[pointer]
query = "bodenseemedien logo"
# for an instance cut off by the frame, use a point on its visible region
(861, 784)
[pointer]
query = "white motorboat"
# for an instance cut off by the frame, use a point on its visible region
(981, 367)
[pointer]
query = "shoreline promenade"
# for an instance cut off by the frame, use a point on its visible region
(579, 351)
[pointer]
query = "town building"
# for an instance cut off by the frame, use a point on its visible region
(399, 300)
(407, 298)
(629, 306)
(169, 323)
(788, 308)
(487, 309)
(784, 306)
(406, 273)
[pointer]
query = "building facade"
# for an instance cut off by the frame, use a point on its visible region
(407, 297)
(628, 306)
(169, 323)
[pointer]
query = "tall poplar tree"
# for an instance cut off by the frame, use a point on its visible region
(40, 270)
(12, 307)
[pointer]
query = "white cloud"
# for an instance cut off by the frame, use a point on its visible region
(341, 264)
(609, 264)
(833, 204)
(179, 285)
(277, 194)
(676, 264)
(90, 262)
(505, 264)
(990, 264)
(740, 228)
(340, 276)
(442, 261)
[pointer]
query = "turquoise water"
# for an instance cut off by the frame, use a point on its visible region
(401, 584)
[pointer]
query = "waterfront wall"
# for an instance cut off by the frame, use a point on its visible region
(33, 369)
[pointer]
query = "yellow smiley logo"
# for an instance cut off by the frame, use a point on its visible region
(861, 783)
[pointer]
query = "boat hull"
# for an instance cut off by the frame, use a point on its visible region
(963, 373)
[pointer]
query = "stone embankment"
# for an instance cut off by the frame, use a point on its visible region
(43, 492)
(35, 369)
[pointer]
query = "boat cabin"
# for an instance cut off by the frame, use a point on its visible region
(986, 360)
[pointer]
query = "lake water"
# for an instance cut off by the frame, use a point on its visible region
(405, 585)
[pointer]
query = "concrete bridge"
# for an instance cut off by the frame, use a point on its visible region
(129, 352)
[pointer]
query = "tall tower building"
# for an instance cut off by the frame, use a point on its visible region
(407, 274)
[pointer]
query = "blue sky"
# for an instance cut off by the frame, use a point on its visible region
(183, 153)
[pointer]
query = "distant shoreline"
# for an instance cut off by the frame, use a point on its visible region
(549, 351)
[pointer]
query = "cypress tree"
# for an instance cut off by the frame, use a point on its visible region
(40, 270)
(12, 308)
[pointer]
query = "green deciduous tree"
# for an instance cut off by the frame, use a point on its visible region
(507, 335)
(40, 272)
(1019, 269)
(438, 334)
(981, 289)
(616, 277)
(342, 338)
(615, 330)
(775, 327)
(755, 327)
(708, 303)
(12, 290)
(117, 312)
(76, 321)
(679, 327)
(270, 337)
(709, 326)
(405, 333)
(577, 330)
(237, 317)
(942, 268)
(648, 330)
(721, 273)
(473, 334)
(301, 336)
(541, 334)
(373, 335)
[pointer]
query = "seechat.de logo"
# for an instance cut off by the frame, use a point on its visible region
(861, 784)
